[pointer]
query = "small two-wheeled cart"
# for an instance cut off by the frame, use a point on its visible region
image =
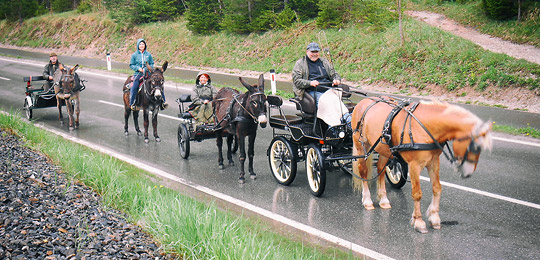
(38, 97)
(303, 137)
(188, 130)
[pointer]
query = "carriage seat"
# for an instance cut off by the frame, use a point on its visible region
(306, 105)
(278, 120)
(184, 98)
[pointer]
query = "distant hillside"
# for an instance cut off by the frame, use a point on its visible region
(431, 59)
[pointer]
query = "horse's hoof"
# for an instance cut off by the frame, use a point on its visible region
(126, 133)
(385, 204)
(231, 163)
(242, 180)
(146, 140)
(71, 128)
(419, 225)
(253, 176)
(61, 122)
(158, 139)
(221, 166)
(368, 204)
(139, 133)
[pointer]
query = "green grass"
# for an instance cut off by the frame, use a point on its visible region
(430, 57)
(181, 224)
(526, 131)
(471, 14)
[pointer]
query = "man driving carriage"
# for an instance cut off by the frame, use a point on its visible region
(49, 70)
(138, 64)
(312, 71)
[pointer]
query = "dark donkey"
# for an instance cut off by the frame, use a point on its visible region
(149, 98)
(67, 90)
(239, 114)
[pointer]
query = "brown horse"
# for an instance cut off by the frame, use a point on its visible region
(150, 98)
(239, 115)
(434, 124)
(67, 90)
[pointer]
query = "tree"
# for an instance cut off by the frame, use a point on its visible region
(204, 16)
(18, 10)
(499, 9)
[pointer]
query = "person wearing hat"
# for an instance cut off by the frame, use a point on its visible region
(138, 64)
(203, 94)
(49, 70)
(312, 70)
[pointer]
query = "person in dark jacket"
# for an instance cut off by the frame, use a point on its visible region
(49, 70)
(138, 64)
(204, 93)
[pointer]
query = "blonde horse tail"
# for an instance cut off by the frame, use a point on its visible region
(368, 163)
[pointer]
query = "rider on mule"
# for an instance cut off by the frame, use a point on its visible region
(312, 70)
(138, 64)
(49, 70)
(204, 93)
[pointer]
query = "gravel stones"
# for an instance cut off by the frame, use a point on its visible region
(45, 216)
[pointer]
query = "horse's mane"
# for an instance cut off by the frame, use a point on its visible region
(480, 128)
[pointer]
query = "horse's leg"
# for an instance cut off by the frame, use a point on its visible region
(59, 105)
(360, 168)
(251, 154)
(416, 221)
(145, 115)
(433, 210)
(381, 184)
(242, 157)
(230, 139)
(136, 121)
(154, 125)
(127, 112)
(77, 111)
(219, 144)
(69, 108)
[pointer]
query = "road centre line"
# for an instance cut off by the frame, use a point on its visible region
(266, 213)
(4, 78)
(487, 194)
(287, 103)
(122, 106)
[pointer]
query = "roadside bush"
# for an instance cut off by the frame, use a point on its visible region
(204, 17)
(499, 9)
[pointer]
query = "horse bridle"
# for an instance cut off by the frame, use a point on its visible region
(263, 112)
(153, 86)
(473, 148)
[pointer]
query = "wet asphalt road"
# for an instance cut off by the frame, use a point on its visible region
(474, 226)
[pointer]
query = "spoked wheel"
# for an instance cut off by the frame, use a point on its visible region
(282, 160)
(316, 173)
(183, 140)
(27, 109)
(396, 173)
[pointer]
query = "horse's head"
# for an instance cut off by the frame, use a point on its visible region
(256, 101)
(467, 149)
(67, 79)
(155, 81)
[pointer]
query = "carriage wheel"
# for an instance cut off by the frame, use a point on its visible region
(282, 160)
(183, 141)
(396, 173)
(316, 173)
(27, 109)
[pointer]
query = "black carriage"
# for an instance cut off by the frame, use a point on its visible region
(38, 97)
(301, 136)
(189, 131)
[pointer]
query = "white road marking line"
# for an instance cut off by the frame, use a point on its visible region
(4, 78)
(122, 106)
(487, 194)
(516, 141)
(287, 103)
(266, 213)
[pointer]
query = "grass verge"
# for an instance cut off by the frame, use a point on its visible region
(181, 224)
(526, 131)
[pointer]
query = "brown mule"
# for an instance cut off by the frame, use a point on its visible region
(65, 88)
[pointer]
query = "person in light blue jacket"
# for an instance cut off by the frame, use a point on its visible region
(138, 64)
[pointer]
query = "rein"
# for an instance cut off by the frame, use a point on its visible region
(255, 120)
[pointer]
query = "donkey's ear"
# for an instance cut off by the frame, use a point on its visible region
(164, 67)
(261, 82)
(249, 87)
(72, 70)
(149, 68)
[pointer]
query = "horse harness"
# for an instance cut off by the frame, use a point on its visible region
(79, 86)
(150, 93)
(386, 135)
(239, 117)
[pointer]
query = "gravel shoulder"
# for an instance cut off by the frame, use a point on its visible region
(44, 215)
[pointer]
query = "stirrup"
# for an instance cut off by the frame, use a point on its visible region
(133, 107)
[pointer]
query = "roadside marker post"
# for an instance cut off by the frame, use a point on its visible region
(108, 61)
(273, 81)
